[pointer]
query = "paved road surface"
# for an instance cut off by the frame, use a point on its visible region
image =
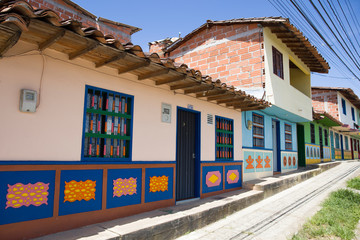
(280, 216)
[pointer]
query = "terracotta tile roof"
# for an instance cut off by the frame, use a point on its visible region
(347, 92)
(18, 20)
(288, 33)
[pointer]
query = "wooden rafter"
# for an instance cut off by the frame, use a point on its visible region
(184, 85)
(171, 80)
(10, 42)
(232, 100)
(134, 67)
(153, 74)
(252, 108)
(121, 55)
(211, 93)
(83, 51)
(53, 39)
(220, 96)
(197, 89)
(236, 103)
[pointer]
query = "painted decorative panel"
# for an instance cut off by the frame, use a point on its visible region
(123, 187)
(337, 153)
(289, 160)
(212, 179)
(159, 184)
(268, 161)
(80, 191)
(249, 162)
(327, 154)
(233, 176)
(284, 161)
(259, 159)
(347, 154)
(312, 153)
(26, 195)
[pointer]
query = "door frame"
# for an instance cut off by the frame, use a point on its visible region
(278, 144)
(197, 149)
(342, 146)
(300, 132)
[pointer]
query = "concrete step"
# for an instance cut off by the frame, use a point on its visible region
(175, 221)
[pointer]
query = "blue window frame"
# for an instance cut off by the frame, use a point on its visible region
(288, 137)
(353, 113)
(343, 105)
(224, 138)
(258, 131)
(107, 131)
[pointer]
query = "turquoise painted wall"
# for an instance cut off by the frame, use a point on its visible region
(247, 135)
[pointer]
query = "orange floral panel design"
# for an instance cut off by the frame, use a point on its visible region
(159, 184)
(259, 162)
(77, 191)
(289, 161)
(123, 187)
(27, 194)
(267, 161)
(249, 161)
(285, 161)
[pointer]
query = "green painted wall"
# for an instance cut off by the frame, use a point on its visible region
(308, 135)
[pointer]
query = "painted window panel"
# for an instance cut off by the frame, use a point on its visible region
(288, 137)
(312, 132)
(258, 130)
(343, 105)
(326, 137)
(346, 143)
(224, 138)
(107, 125)
(278, 68)
(337, 141)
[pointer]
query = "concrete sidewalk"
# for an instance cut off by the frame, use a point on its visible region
(175, 221)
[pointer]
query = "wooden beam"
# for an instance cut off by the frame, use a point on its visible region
(53, 39)
(10, 42)
(134, 67)
(81, 52)
(198, 89)
(231, 100)
(215, 92)
(253, 108)
(184, 85)
(153, 74)
(235, 103)
(121, 55)
(220, 96)
(171, 80)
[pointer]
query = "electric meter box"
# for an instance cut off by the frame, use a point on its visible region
(166, 113)
(28, 99)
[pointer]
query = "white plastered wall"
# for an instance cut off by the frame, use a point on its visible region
(54, 132)
(347, 119)
(279, 91)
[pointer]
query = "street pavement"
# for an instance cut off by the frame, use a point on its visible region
(280, 216)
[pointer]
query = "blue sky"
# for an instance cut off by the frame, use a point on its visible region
(161, 19)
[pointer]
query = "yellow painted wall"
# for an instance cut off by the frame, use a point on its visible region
(54, 132)
(279, 91)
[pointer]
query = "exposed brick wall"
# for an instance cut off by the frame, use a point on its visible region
(66, 11)
(231, 53)
(326, 100)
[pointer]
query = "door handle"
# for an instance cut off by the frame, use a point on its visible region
(193, 155)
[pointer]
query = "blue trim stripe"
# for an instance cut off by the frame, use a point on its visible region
(79, 162)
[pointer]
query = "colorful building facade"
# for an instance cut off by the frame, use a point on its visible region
(258, 56)
(96, 130)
